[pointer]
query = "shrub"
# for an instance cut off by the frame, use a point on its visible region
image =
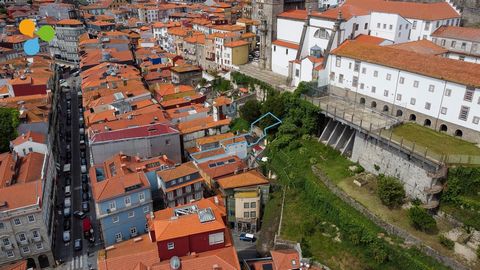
(376, 167)
(421, 220)
(446, 242)
(478, 253)
(359, 169)
(390, 191)
(305, 248)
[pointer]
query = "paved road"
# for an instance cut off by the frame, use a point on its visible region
(245, 250)
(65, 251)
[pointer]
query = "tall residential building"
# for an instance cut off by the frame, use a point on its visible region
(65, 44)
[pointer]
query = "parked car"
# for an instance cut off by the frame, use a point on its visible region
(78, 244)
(69, 121)
(83, 168)
(79, 214)
(85, 196)
(68, 181)
(83, 161)
(66, 224)
(247, 237)
(84, 178)
(85, 207)
(67, 191)
(67, 202)
(66, 212)
(84, 187)
(66, 236)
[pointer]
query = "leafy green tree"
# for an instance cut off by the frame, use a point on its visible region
(250, 111)
(421, 220)
(390, 191)
(8, 127)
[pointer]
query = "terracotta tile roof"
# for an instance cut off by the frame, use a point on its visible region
(230, 28)
(29, 136)
(21, 265)
(208, 153)
(222, 100)
(284, 259)
(225, 168)
(185, 68)
(199, 38)
(369, 39)
(237, 43)
(166, 228)
(186, 111)
(422, 46)
(248, 35)
(250, 178)
(437, 67)
(69, 22)
(104, 116)
(7, 169)
(214, 138)
(14, 39)
(248, 21)
(117, 185)
(455, 32)
(296, 14)
(166, 89)
(178, 31)
(133, 132)
(30, 168)
(182, 170)
(201, 124)
(21, 194)
(285, 44)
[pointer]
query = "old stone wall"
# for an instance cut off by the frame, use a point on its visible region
(381, 159)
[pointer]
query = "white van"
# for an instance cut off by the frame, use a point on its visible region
(67, 202)
(83, 168)
(67, 191)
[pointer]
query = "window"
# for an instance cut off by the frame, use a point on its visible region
(115, 219)
(112, 205)
(216, 238)
(431, 88)
(187, 177)
(362, 86)
(384, 26)
(385, 93)
(355, 81)
(464, 45)
(468, 96)
(448, 92)
(25, 249)
(253, 214)
(375, 73)
(461, 57)
(332, 76)
(128, 201)
(413, 101)
(118, 237)
(389, 76)
(364, 70)
(10, 254)
(2, 226)
(443, 110)
(357, 66)
(22, 237)
(274, 48)
(170, 245)
(349, 65)
(39, 246)
(365, 26)
(17, 222)
(246, 214)
(401, 80)
(253, 205)
(179, 192)
(286, 51)
(464, 113)
(400, 27)
(474, 47)
(414, 25)
(338, 61)
(131, 214)
(390, 27)
(322, 33)
(476, 120)
(453, 43)
(133, 231)
(35, 234)
(443, 42)
(31, 218)
(297, 72)
(6, 241)
(427, 26)
(415, 84)
(246, 205)
(141, 197)
(378, 25)
(428, 105)
(146, 209)
(399, 97)
(374, 89)
(356, 27)
(167, 142)
(438, 24)
(340, 78)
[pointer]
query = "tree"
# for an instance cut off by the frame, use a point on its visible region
(250, 111)
(8, 127)
(421, 220)
(390, 191)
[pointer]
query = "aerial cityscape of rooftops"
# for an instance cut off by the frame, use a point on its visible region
(239, 134)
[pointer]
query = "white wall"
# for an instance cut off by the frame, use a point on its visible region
(280, 59)
(36, 147)
(289, 30)
(390, 26)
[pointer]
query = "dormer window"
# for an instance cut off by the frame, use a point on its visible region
(316, 51)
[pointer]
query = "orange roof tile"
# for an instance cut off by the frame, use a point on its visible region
(456, 32)
(201, 124)
(285, 259)
(296, 14)
(250, 178)
(116, 185)
(222, 100)
(369, 39)
(226, 168)
(437, 67)
(422, 46)
(237, 43)
(69, 22)
(286, 44)
(214, 138)
(21, 265)
(21, 195)
(30, 168)
(166, 89)
(182, 170)
(29, 136)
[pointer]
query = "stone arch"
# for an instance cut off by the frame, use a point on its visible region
(373, 104)
(362, 101)
(43, 261)
(412, 117)
(399, 113)
(458, 133)
(385, 108)
(443, 128)
(31, 263)
(427, 122)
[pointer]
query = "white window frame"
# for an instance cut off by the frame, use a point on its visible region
(115, 219)
(6, 241)
(133, 231)
(431, 88)
(443, 110)
(399, 97)
(171, 245)
(216, 238)
(112, 206)
(118, 236)
(2, 225)
(413, 101)
(385, 93)
(428, 105)
(15, 221)
(31, 216)
(389, 76)
(35, 232)
(128, 201)
(141, 197)
(401, 80)
(20, 238)
(415, 84)
(10, 253)
(448, 92)
(39, 246)
(146, 209)
(131, 214)
(25, 249)
(476, 120)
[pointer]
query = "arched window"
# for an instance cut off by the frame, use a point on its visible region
(322, 33)
(443, 128)
(399, 113)
(412, 117)
(362, 101)
(385, 108)
(458, 133)
(373, 104)
(427, 122)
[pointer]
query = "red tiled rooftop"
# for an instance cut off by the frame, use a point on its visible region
(286, 44)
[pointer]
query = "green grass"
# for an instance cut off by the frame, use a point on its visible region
(270, 221)
(435, 141)
(293, 168)
(239, 124)
(468, 217)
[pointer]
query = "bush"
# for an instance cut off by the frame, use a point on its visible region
(446, 242)
(390, 191)
(250, 111)
(421, 220)
(478, 253)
